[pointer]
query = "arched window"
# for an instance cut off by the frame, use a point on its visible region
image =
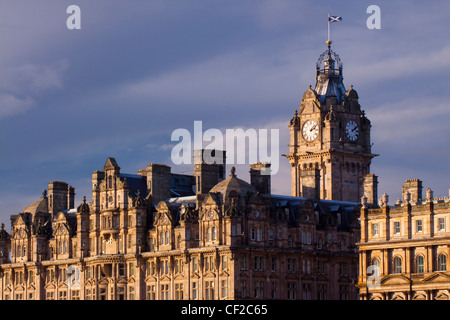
(179, 241)
(24, 251)
(167, 237)
(442, 262)
(397, 265)
(419, 264)
(19, 250)
(214, 233)
(376, 262)
(162, 238)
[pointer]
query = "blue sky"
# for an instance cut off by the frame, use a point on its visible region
(138, 70)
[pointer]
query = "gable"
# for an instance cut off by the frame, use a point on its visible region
(437, 277)
(395, 279)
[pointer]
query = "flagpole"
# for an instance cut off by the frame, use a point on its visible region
(328, 27)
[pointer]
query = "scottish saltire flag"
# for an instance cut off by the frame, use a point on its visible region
(334, 19)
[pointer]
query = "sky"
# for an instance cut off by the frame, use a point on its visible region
(138, 70)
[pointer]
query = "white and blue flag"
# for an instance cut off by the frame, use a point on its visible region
(334, 19)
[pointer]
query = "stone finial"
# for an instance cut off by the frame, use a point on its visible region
(385, 198)
(429, 194)
(233, 172)
(406, 198)
(364, 201)
(44, 193)
(398, 202)
(383, 201)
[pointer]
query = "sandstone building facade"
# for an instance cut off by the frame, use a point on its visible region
(404, 248)
(330, 149)
(236, 241)
(157, 235)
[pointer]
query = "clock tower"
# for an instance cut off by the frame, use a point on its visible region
(330, 149)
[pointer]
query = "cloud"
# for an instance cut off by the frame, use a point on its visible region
(231, 79)
(414, 63)
(20, 85)
(33, 78)
(11, 105)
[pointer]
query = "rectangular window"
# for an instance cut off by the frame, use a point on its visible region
(151, 292)
(244, 263)
(243, 289)
(271, 234)
(178, 291)
(375, 229)
(259, 263)
(194, 264)
(418, 225)
(224, 262)
(273, 264)
(224, 288)
(397, 227)
(131, 269)
(259, 289)
(31, 277)
(292, 291)
(209, 290)
(164, 292)
(322, 292)
(343, 292)
(441, 224)
(121, 270)
(131, 293)
(195, 290)
(291, 265)
(209, 263)
(306, 293)
(273, 291)
(259, 234)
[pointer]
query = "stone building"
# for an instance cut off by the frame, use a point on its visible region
(329, 150)
(235, 241)
(404, 248)
(158, 235)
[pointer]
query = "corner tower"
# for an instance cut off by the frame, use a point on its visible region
(329, 149)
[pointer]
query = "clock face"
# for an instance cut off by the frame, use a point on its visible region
(352, 130)
(310, 130)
